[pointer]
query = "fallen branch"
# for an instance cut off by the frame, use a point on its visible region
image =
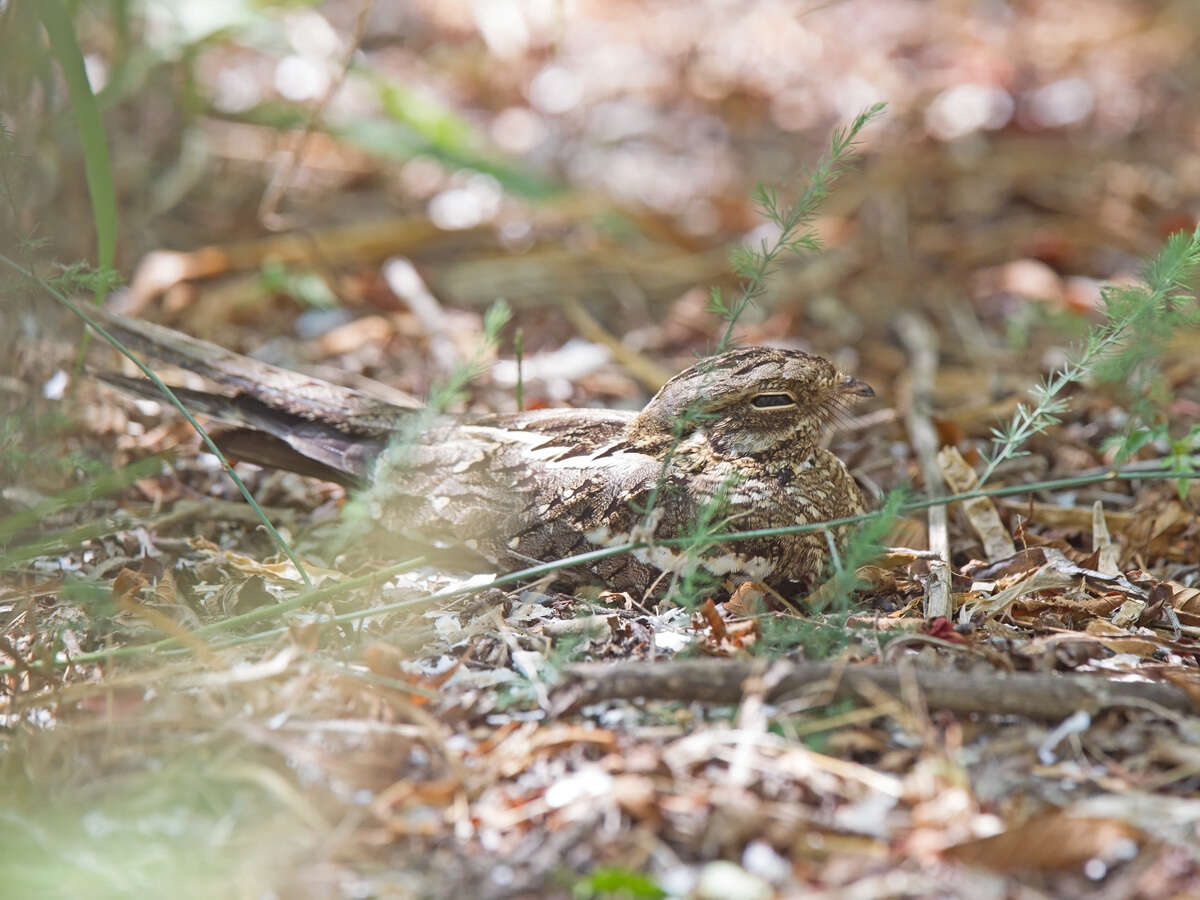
(1038, 696)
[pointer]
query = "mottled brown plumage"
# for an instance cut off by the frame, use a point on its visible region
(521, 488)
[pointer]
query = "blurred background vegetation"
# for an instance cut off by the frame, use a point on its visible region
(1055, 133)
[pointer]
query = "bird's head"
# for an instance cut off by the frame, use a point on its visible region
(748, 402)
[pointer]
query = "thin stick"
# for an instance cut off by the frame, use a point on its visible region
(1047, 697)
(921, 341)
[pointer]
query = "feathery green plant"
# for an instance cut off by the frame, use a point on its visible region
(832, 603)
(864, 544)
(755, 264)
(12, 185)
(691, 580)
(1124, 349)
(1181, 453)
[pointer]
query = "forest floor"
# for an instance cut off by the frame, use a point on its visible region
(1003, 707)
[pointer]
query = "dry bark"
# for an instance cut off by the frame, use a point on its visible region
(1038, 696)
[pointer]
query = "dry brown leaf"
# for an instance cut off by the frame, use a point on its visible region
(636, 795)
(908, 532)
(420, 796)
(360, 332)
(126, 585)
(554, 736)
(1055, 840)
(282, 572)
(1079, 517)
(1028, 278)
(1048, 577)
(1129, 613)
(746, 599)
(1107, 552)
(1172, 515)
(1131, 645)
(513, 755)
(386, 661)
(1185, 599)
(1160, 597)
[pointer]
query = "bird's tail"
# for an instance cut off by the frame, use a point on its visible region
(282, 418)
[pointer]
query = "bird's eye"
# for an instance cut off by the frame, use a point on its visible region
(772, 401)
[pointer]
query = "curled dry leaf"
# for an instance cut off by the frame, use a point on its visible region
(746, 599)
(1184, 599)
(1107, 553)
(277, 572)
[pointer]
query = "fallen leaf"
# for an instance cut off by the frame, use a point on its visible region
(1052, 841)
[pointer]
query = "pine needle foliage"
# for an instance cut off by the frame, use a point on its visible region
(755, 264)
(865, 543)
(1124, 349)
(691, 582)
(826, 632)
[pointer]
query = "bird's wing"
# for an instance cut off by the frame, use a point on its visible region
(559, 434)
(516, 488)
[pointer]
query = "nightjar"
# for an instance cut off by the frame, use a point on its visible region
(735, 437)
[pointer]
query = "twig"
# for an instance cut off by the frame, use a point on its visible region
(1046, 697)
(650, 374)
(921, 342)
(403, 280)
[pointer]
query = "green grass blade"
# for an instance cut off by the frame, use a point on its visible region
(91, 130)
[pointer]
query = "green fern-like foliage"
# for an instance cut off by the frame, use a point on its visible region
(1125, 349)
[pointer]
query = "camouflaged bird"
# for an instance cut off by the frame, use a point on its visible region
(741, 430)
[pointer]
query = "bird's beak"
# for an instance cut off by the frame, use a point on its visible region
(855, 388)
